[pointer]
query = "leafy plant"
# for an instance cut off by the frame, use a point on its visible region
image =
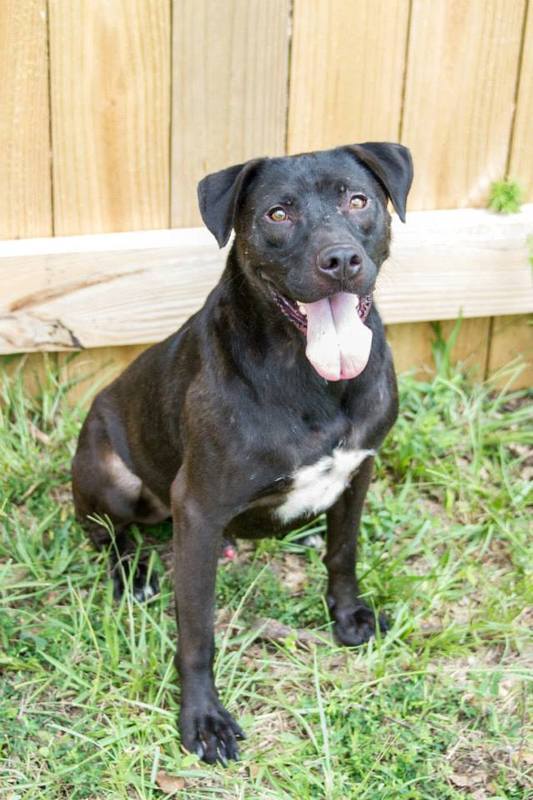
(442, 348)
(505, 197)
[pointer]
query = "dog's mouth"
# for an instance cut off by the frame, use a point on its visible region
(296, 312)
(338, 341)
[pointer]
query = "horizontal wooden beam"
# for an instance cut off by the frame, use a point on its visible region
(130, 288)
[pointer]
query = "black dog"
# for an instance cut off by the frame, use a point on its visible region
(265, 408)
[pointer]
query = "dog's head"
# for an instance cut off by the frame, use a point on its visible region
(311, 227)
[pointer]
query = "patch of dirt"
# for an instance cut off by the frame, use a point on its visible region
(497, 554)
(509, 669)
(459, 669)
(418, 565)
(475, 767)
(16, 574)
(270, 725)
(169, 784)
(525, 454)
(514, 403)
(432, 506)
(62, 495)
(291, 571)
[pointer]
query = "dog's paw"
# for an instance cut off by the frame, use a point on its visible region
(355, 625)
(210, 732)
(144, 586)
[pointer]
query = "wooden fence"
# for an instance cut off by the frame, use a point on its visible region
(111, 110)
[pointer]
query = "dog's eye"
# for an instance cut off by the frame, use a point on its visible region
(277, 214)
(358, 201)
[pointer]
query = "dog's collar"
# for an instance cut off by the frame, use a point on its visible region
(290, 310)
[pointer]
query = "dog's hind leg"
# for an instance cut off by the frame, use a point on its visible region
(126, 566)
(108, 499)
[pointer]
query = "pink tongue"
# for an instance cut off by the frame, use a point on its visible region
(338, 343)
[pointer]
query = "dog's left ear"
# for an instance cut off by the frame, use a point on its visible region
(218, 198)
(392, 165)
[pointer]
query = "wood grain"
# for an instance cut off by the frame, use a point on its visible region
(103, 290)
(110, 91)
(512, 341)
(347, 65)
(512, 337)
(460, 91)
(230, 63)
(65, 293)
(25, 196)
(412, 346)
(110, 85)
(461, 74)
(91, 370)
(521, 159)
(110, 88)
(437, 260)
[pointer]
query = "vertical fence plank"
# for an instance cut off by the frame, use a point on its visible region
(230, 62)
(93, 369)
(512, 340)
(412, 345)
(521, 157)
(461, 77)
(459, 99)
(25, 196)
(110, 90)
(25, 178)
(512, 337)
(347, 65)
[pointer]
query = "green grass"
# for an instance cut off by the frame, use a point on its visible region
(435, 710)
(505, 197)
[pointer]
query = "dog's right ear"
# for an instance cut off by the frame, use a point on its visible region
(218, 198)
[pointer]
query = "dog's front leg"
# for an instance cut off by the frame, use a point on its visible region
(206, 727)
(354, 621)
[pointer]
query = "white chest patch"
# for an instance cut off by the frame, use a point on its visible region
(317, 486)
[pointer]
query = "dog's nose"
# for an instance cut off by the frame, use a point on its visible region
(340, 261)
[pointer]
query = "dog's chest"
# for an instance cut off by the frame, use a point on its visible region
(315, 487)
